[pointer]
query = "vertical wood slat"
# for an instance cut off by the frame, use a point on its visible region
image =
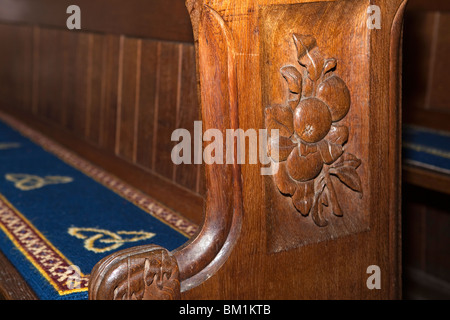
(440, 82)
(148, 100)
(166, 109)
(76, 81)
(125, 145)
(96, 87)
(35, 70)
(50, 74)
(109, 103)
(188, 112)
(16, 46)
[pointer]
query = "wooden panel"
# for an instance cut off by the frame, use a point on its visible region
(95, 86)
(428, 5)
(426, 46)
(414, 240)
(16, 53)
(168, 98)
(157, 19)
(187, 113)
(12, 285)
(427, 178)
(438, 240)
(418, 39)
(128, 97)
(321, 189)
(108, 118)
(440, 81)
(425, 238)
(52, 84)
(76, 83)
(147, 102)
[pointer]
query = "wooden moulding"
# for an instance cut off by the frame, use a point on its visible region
(313, 70)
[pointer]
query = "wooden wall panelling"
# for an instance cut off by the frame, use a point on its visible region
(76, 80)
(426, 241)
(428, 5)
(425, 83)
(166, 108)
(419, 28)
(16, 78)
(188, 112)
(148, 99)
(129, 73)
(439, 99)
(156, 19)
(109, 101)
(95, 88)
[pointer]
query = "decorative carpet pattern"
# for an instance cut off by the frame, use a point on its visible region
(60, 215)
(427, 148)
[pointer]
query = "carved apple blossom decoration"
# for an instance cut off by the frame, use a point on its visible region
(311, 140)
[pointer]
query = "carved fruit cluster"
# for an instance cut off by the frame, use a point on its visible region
(311, 140)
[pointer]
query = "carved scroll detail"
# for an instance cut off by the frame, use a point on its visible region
(142, 273)
(311, 145)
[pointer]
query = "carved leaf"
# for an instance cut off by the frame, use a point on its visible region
(151, 278)
(348, 176)
(283, 181)
(330, 152)
(303, 198)
(331, 147)
(329, 65)
(293, 78)
(309, 55)
(285, 147)
(281, 118)
(332, 196)
(349, 160)
(317, 214)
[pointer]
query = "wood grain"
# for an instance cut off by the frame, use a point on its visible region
(122, 95)
(335, 267)
(156, 19)
(232, 256)
(12, 285)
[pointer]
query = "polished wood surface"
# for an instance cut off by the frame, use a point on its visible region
(155, 19)
(135, 89)
(12, 285)
(236, 80)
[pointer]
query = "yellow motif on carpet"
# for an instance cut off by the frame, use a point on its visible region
(9, 145)
(27, 182)
(96, 239)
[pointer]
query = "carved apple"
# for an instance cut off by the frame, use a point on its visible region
(312, 120)
(311, 144)
(335, 94)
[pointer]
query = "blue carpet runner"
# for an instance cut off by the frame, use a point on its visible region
(60, 215)
(427, 148)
